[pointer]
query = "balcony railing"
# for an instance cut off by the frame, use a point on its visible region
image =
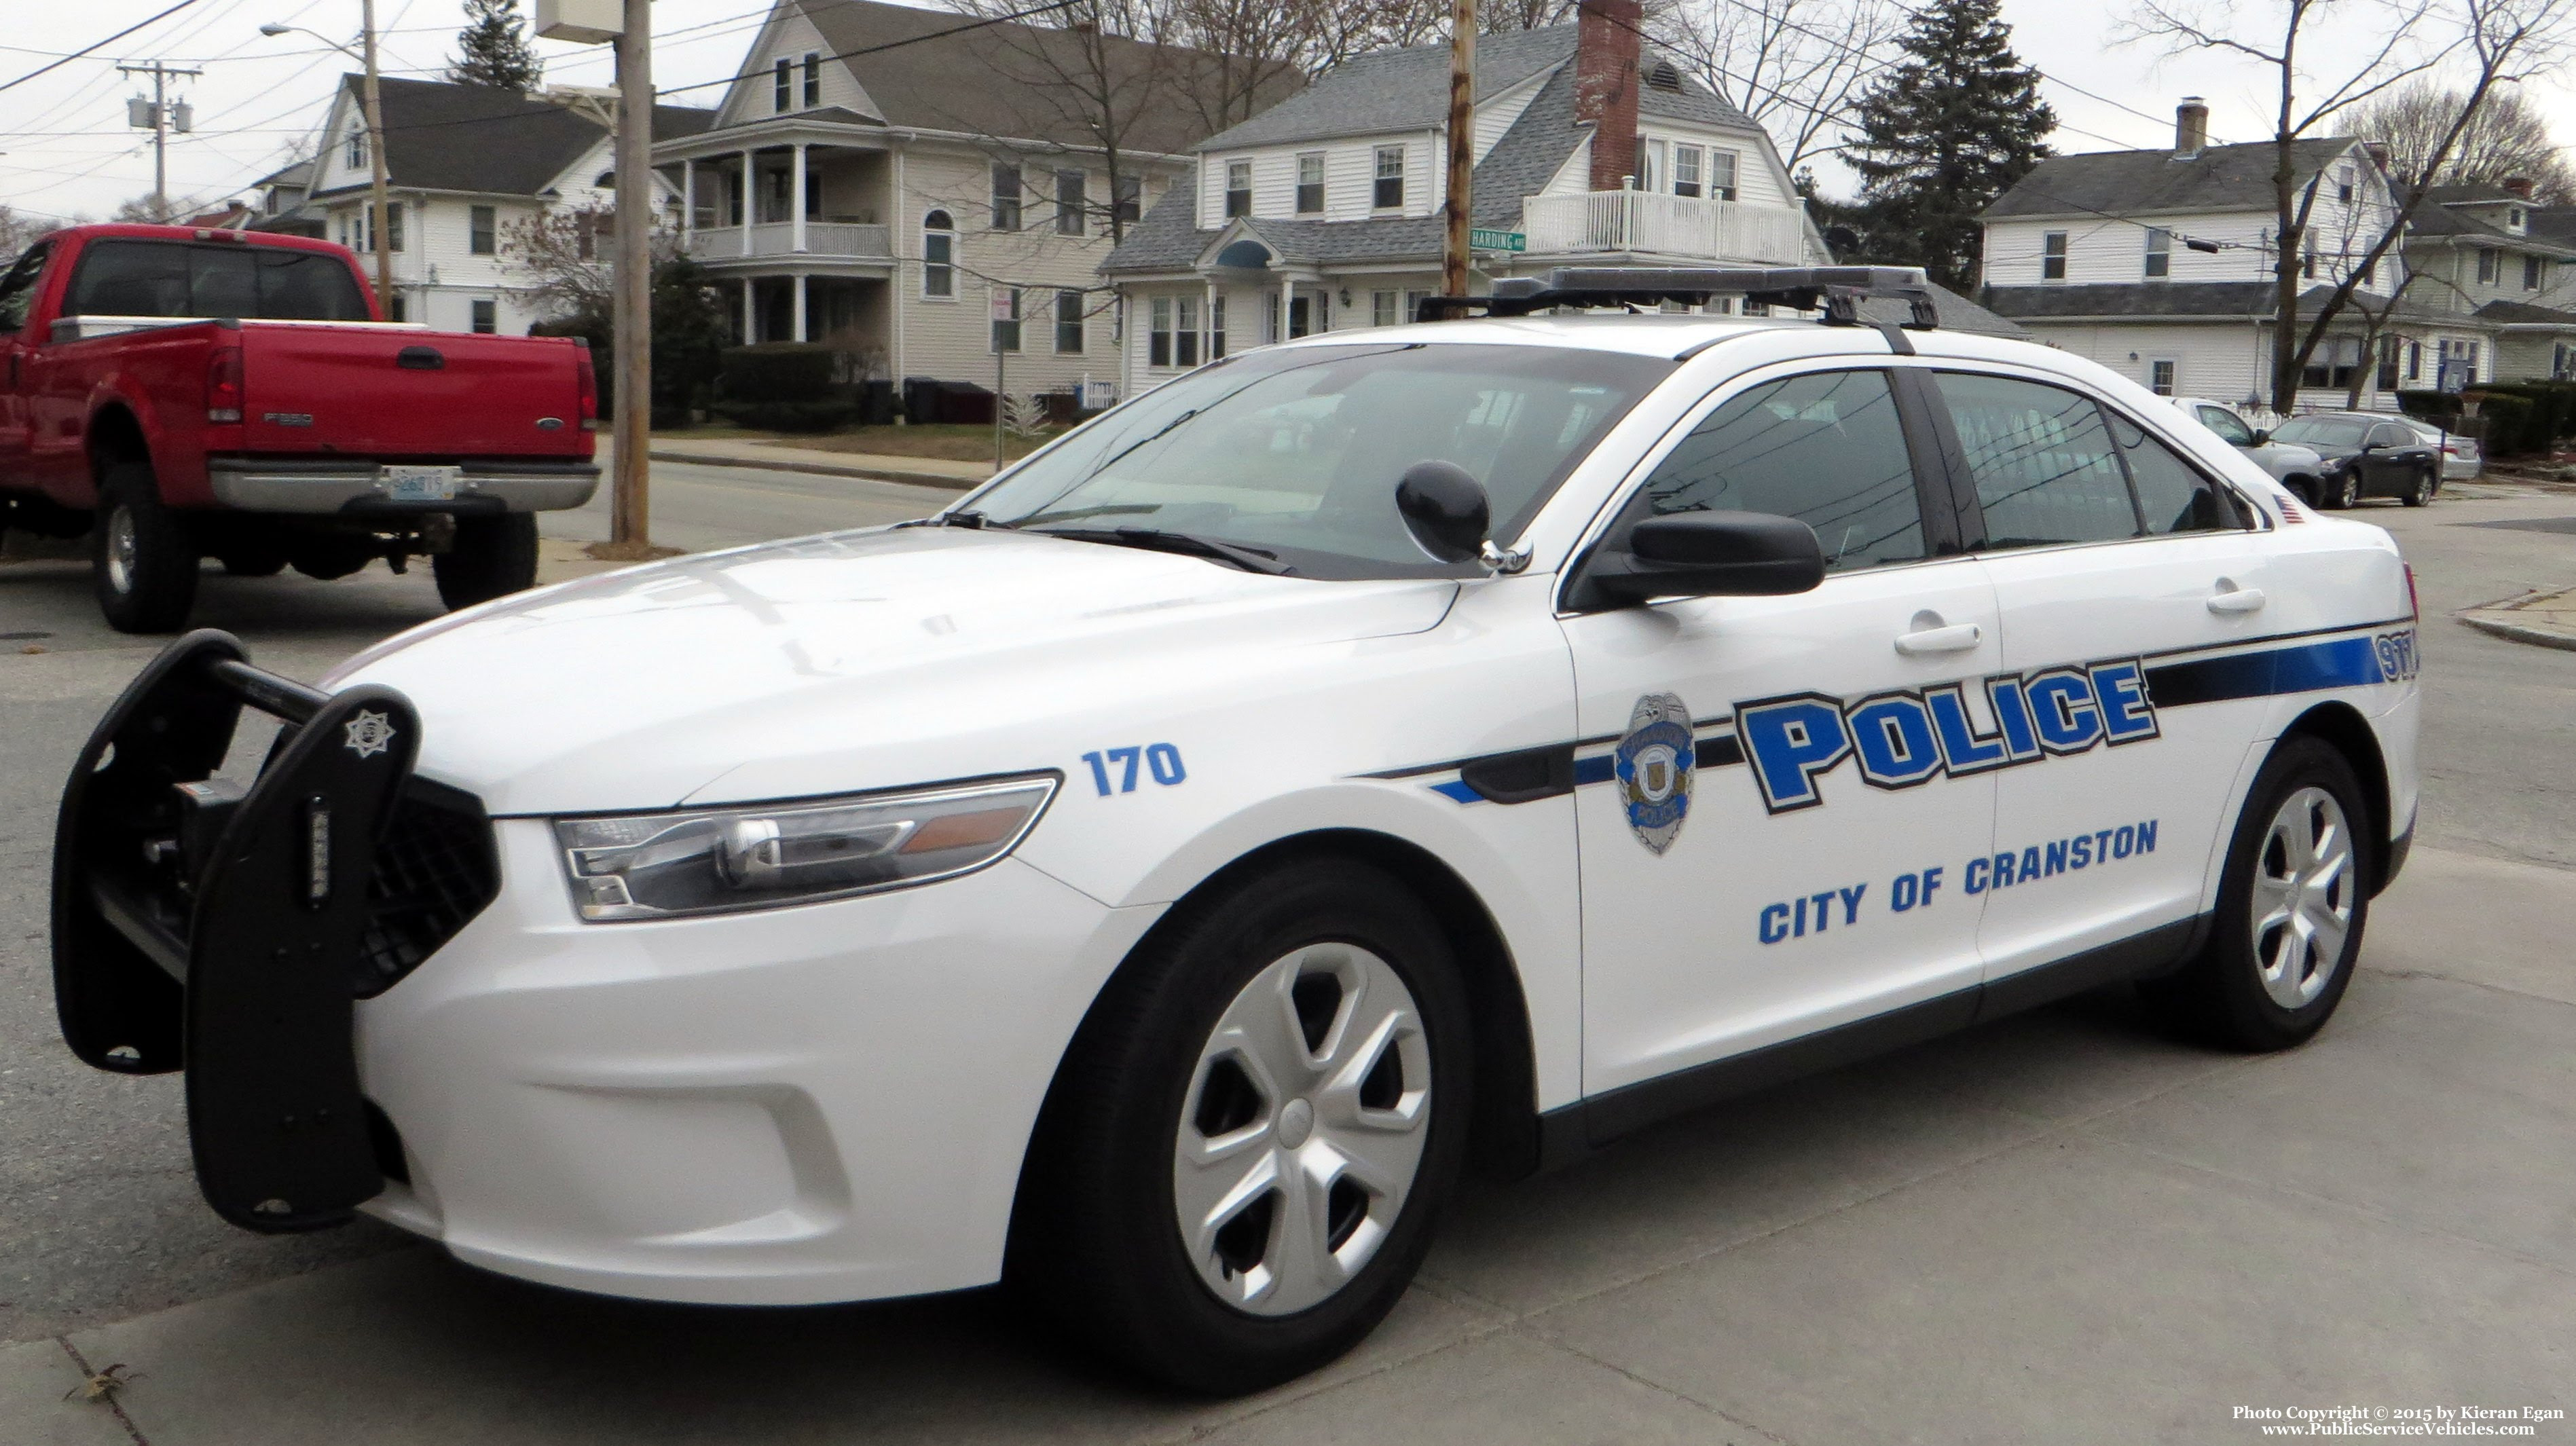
(1649, 221)
(778, 238)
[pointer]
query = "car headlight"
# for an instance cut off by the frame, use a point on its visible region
(759, 856)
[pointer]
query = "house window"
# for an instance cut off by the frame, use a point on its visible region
(2414, 361)
(2531, 273)
(1651, 168)
(396, 307)
(1721, 174)
(1216, 327)
(1382, 308)
(813, 195)
(393, 225)
(1387, 193)
(1185, 333)
(2052, 256)
(2333, 362)
(1069, 203)
(1238, 188)
(2160, 376)
(733, 201)
(2159, 253)
(1158, 347)
(481, 226)
(2513, 217)
(1413, 304)
(938, 256)
(1310, 184)
(1690, 166)
(2487, 265)
(356, 155)
(1006, 334)
(781, 85)
(1068, 323)
(487, 315)
(813, 79)
(2308, 266)
(1130, 205)
(2388, 349)
(1006, 196)
(2343, 183)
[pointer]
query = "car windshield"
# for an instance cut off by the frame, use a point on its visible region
(2321, 431)
(1293, 454)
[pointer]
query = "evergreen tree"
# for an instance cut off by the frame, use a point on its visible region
(492, 51)
(1941, 134)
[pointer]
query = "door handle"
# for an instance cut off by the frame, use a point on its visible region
(1956, 638)
(2231, 601)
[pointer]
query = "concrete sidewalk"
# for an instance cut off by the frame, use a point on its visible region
(2544, 619)
(785, 457)
(2056, 1228)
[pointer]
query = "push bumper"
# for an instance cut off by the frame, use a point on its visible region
(332, 486)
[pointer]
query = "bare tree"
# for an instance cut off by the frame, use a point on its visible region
(20, 230)
(2506, 138)
(2492, 42)
(1795, 66)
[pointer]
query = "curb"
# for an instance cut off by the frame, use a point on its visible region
(823, 469)
(2518, 633)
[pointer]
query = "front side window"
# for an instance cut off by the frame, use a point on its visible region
(1825, 448)
(1238, 188)
(487, 315)
(1006, 196)
(1296, 452)
(2052, 256)
(1310, 184)
(482, 230)
(2230, 427)
(1069, 202)
(1387, 191)
(2042, 461)
(161, 278)
(1689, 169)
(938, 255)
(2159, 253)
(1068, 323)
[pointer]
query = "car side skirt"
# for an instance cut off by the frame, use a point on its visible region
(1568, 1133)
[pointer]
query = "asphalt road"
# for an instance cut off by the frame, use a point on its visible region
(2056, 1228)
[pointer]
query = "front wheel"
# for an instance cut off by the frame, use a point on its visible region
(143, 564)
(2419, 491)
(1237, 1171)
(2344, 491)
(493, 556)
(2291, 908)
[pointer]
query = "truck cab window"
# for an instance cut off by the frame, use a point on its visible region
(159, 278)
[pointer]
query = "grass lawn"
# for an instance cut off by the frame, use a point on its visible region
(951, 442)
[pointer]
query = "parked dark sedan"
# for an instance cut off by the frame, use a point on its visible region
(2367, 456)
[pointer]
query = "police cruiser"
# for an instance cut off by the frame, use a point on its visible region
(1154, 880)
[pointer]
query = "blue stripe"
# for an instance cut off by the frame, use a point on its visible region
(1456, 789)
(1600, 768)
(2307, 668)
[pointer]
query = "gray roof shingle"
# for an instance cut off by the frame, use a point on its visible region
(2139, 183)
(440, 136)
(2523, 313)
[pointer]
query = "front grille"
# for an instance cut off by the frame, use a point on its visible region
(435, 870)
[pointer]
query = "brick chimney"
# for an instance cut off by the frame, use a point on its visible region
(1605, 86)
(2191, 127)
(2517, 186)
(2378, 153)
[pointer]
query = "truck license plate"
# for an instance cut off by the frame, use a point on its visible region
(422, 484)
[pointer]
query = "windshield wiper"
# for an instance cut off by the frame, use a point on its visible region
(1250, 559)
(963, 517)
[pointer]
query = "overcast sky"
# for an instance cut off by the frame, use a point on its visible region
(65, 149)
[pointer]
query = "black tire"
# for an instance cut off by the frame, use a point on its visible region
(2344, 491)
(143, 564)
(1096, 1241)
(2419, 491)
(492, 557)
(2306, 489)
(2222, 996)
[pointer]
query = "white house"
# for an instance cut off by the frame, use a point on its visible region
(877, 182)
(2490, 255)
(464, 164)
(1325, 211)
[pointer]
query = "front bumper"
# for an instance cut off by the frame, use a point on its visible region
(334, 486)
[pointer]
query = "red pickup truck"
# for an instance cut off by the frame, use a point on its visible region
(182, 394)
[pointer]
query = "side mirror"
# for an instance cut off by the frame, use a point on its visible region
(1707, 554)
(2262, 439)
(1445, 509)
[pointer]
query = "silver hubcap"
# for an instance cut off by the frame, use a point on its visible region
(1302, 1130)
(2303, 895)
(120, 549)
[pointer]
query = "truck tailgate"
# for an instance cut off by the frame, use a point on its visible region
(400, 392)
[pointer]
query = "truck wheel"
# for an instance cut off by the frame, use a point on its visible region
(142, 561)
(1237, 1171)
(492, 557)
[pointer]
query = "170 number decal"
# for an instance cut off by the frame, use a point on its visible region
(1162, 760)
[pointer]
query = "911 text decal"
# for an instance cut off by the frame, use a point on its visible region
(1911, 736)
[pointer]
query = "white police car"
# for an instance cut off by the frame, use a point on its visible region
(1157, 878)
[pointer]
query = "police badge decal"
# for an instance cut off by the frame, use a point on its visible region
(1654, 764)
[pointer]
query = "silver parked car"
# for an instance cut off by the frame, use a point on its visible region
(2298, 468)
(2461, 457)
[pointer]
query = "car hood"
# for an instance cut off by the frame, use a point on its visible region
(843, 662)
(2279, 458)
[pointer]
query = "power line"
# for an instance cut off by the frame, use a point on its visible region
(97, 45)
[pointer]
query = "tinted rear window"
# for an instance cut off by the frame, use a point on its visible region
(178, 278)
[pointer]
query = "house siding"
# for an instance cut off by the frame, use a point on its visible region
(1350, 172)
(789, 36)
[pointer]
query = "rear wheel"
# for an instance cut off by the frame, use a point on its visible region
(1238, 1169)
(2291, 908)
(143, 564)
(492, 557)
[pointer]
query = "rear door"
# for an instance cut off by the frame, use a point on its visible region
(2114, 559)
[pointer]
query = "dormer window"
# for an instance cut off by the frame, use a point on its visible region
(2513, 218)
(2159, 253)
(357, 152)
(2052, 256)
(782, 85)
(813, 79)
(2343, 183)
(1238, 188)
(1387, 192)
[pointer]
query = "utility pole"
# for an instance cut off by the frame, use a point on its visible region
(379, 214)
(161, 75)
(1462, 146)
(630, 515)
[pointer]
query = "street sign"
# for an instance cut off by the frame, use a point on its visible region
(1005, 304)
(1482, 240)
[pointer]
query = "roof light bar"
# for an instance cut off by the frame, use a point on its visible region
(1836, 289)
